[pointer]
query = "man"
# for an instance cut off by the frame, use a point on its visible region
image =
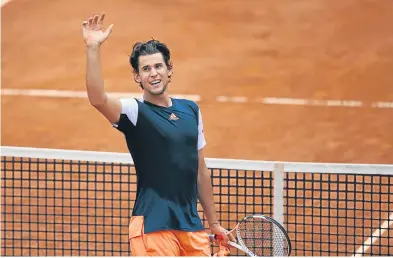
(165, 138)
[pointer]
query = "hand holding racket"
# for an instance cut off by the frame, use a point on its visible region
(223, 236)
(259, 235)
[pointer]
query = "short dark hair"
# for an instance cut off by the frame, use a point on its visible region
(149, 48)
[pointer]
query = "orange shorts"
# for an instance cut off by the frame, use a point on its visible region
(166, 242)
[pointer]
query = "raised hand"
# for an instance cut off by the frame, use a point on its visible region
(92, 30)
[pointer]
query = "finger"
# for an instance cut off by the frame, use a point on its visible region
(109, 30)
(85, 24)
(224, 243)
(90, 20)
(231, 238)
(225, 238)
(220, 239)
(102, 17)
(95, 20)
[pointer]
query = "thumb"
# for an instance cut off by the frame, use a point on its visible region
(226, 238)
(108, 30)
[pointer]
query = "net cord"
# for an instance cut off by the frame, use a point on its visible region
(246, 165)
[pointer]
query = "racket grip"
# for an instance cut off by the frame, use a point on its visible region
(215, 237)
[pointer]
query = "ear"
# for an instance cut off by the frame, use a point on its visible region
(137, 78)
(170, 68)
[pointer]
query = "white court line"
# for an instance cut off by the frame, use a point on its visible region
(375, 236)
(304, 102)
(197, 98)
(381, 104)
(232, 99)
(83, 94)
(311, 102)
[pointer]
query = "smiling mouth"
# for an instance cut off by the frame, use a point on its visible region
(155, 83)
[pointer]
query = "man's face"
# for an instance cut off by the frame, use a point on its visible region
(153, 74)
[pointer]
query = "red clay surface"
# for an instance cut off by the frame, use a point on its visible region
(315, 49)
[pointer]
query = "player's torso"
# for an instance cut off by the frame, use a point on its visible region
(165, 152)
(164, 146)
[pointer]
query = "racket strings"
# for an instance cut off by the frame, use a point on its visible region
(262, 237)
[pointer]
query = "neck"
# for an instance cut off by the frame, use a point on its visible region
(162, 100)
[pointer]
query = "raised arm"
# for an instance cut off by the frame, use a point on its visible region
(94, 37)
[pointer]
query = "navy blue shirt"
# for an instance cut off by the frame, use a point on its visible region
(163, 142)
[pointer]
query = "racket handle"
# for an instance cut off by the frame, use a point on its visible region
(215, 237)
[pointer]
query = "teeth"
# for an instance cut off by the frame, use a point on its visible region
(155, 82)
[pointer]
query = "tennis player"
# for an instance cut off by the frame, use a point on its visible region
(165, 138)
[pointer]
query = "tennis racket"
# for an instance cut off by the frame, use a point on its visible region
(259, 235)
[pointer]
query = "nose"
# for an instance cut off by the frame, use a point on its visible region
(153, 72)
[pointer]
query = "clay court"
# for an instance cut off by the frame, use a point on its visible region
(231, 55)
(305, 49)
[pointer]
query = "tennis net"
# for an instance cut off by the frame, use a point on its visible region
(78, 203)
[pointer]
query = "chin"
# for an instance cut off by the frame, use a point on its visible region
(157, 92)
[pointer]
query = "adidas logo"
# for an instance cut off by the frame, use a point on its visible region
(173, 117)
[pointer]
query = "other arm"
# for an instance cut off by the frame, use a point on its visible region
(205, 194)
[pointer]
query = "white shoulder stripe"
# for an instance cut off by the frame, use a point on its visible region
(129, 107)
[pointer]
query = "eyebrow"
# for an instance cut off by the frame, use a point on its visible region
(152, 65)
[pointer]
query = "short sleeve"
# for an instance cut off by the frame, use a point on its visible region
(129, 107)
(201, 135)
(129, 113)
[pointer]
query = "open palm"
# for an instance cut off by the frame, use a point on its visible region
(92, 30)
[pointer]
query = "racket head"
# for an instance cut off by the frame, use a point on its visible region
(261, 235)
